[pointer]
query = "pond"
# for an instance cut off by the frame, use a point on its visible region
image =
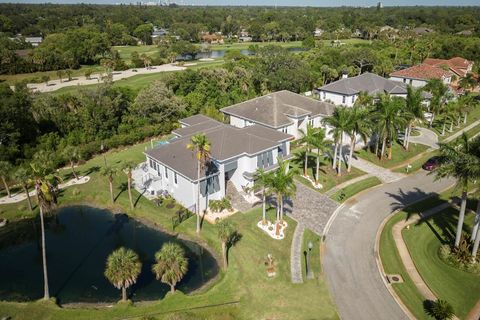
(215, 54)
(79, 240)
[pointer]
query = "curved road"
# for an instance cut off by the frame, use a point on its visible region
(349, 262)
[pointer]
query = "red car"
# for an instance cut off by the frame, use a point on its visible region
(431, 164)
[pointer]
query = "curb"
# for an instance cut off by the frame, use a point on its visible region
(378, 259)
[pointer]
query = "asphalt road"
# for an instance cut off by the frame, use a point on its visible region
(349, 262)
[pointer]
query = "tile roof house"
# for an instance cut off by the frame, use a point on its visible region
(284, 111)
(460, 66)
(419, 75)
(236, 153)
(346, 90)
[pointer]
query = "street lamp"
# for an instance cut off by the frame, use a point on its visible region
(309, 267)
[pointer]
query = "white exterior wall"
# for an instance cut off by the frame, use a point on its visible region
(239, 122)
(337, 99)
(417, 83)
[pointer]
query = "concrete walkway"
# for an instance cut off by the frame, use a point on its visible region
(346, 184)
(23, 196)
(385, 175)
(296, 254)
(459, 133)
(405, 254)
(96, 78)
(427, 137)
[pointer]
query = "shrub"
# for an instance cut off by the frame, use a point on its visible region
(440, 309)
(220, 205)
(460, 257)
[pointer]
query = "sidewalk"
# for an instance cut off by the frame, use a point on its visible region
(23, 196)
(385, 175)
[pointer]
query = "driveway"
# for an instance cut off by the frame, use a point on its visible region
(349, 261)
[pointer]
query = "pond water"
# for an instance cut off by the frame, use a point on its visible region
(215, 54)
(79, 240)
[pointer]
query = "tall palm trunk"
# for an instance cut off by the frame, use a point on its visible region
(431, 119)
(110, 181)
(124, 293)
(350, 156)
(6, 186)
(334, 165)
(390, 149)
(405, 137)
(461, 217)
(172, 288)
(339, 164)
(383, 148)
(476, 224)
(443, 128)
(198, 198)
(129, 180)
(317, 166)
(465, 118)
(264, 199)
(224, 254)
(72, 165)
(451, 126)
(377, 143)
(281, 207)
(408, 137)
(305, 168)
(46, 291)
(25, 189)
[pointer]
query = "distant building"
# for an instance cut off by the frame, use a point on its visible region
(379, 5)
(159, 33)
(419, 75)
(215, 38)
(465, 33)
(318, 32)
(420, 31)
(34, 41)
(244, 36)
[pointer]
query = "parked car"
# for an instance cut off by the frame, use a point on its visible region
(431, 164)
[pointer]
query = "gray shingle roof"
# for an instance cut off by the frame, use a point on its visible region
(198, 124)
(276, 109)
(196, 119)
(226, 142)
(367, 82)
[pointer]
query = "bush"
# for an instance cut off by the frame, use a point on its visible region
(440, 309)
(220, 205)
(460, 257)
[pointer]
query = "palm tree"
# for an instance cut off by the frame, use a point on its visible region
(263, 181)
(200, 146)
(127, 167)
(357, 125)
(72, 155)
(171, 264)
(468, 82)
(110, 172)
(122, 269)
(466, 104)
(458, 164)
(46, 188)
(5, 172)
(474, 154)
(225, 231)
(307, 139)
(339, 122)
(448, 114)
(439, 93)
(389, 119)
(23, 176)
(283, 185)
(321, 145)
(414, 111)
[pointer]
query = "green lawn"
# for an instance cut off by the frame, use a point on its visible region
(473, 116)
(399, 155)
(310, 236)
(349, 191)
(417, 163)
(245, 281)
(327, 177)
(459, 288)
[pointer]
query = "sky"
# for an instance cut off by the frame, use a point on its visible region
(311, 3)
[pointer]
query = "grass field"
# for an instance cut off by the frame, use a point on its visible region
(349, 191)
(245, 283)
(461, 289)
(399, 155)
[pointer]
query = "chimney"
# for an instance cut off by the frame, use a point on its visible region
(344, 74)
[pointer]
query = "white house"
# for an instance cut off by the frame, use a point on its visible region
(236, 153)
(419, 75)
(283, 111)
(346, 90)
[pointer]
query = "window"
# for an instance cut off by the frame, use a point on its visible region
(166, 173)
(151, 162)
(411, 81)
(404, 80)
(343, 99)
(311, 122)
(175, 177)
(324, 95)
(353, 99)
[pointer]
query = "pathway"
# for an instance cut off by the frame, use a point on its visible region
(459, 133)
(385, 175)
(405, 254)
(350, 264)
(95, 79)
(23, 196)
(311, 210)
(296, 254)
(427, 137)
(340, 186)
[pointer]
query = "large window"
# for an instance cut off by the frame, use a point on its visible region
(344, 99)
(166, 172)
(209, 186)
(175, 178)
(265, 159)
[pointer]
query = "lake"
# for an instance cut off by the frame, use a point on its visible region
(216, 54)
(79, 240)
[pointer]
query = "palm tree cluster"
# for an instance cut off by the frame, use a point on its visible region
(461, 160)
(280, 183)
(123, 267)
